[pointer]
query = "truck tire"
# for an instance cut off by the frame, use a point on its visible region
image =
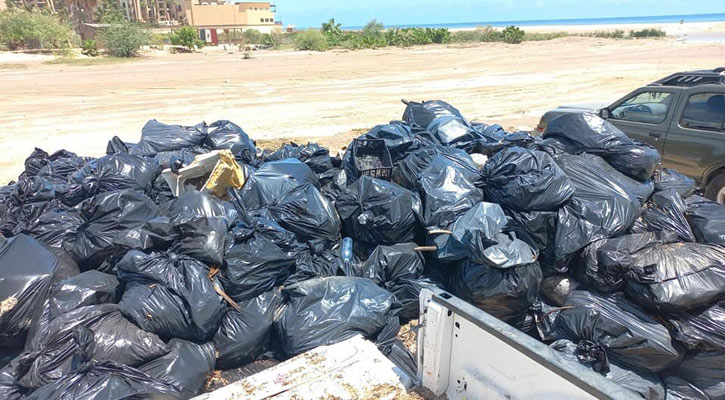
(715, 190)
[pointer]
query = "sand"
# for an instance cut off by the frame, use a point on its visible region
(328, 96)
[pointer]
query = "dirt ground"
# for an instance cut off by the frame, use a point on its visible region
(328, 97)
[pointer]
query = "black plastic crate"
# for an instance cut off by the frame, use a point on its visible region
(372, 158)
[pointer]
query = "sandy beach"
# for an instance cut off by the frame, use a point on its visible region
(328, 97)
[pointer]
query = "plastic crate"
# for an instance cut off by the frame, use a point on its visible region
(372, 158)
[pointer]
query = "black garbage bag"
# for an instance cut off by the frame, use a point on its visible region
(445, 193)
(665, 211)
(186, 367)
(53, 355)
(701, 329)
(336, 183)
(603, 263)
(398, 269)
(505, 291)
(112, 222)
(54, 227)
(195, 203)
(255, 267)
(676, 277)
(472, 233)
(704, 369)
(637, 161)
(112, 172)
(494, 138)
(308, 214)
(244, 334)
(228, 135)
(318, 262)
(374, 211)
(116, 145)
(273, 180)
(55, 167)
(646, 384)
(556, 288)
(315, 156)
(176, 159)
(202, 238)
(586, 131)
(525, 180)
(630, 337)
(324, 311)
(680, 389)
(402, 357)
(407, 172)
(602, 207)
(670, 179)
(170, 295)
(398, 139)
(88, 288)
(105, 381)
(27, 273)
(9, 387)
(707, 220)
(27, 200)
(157, 137)
(442, 120)
(539, 230)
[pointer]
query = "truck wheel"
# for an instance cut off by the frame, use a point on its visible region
(715, 190)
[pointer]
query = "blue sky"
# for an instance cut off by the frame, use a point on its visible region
(393, 12)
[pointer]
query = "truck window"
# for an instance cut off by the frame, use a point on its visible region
(704, 111)
(646, 107)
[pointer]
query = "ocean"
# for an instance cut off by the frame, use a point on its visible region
(582, 21)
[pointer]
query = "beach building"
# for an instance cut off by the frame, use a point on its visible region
(220, 15)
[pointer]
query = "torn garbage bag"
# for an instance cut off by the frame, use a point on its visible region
(556, 288)
(646, 384)
(157, 137)
(89, 288)
(398, 269)
(325, 311)
(665, 211)
(228, 135)
(707, 220)
(676, 277)
(244, 333)
(445, 192)
(186, 367)
(52, 356)
(378, 212)
(254, 267)
(704, 369)
(112, 222)
(630, 337)
(308, 214)
(27, 273)
(170, 295)
(525, 180)
(273, 180)
(701, 329)
(603, 263)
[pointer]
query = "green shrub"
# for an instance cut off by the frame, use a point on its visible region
(647, 33)
(311, 40)
(252, 36)
(90, 48)
(21, 29)
(109, 12)
(616, 34)
(124, 39)
(544, 36)
(512, 34)
(481, 34)
(186, 36)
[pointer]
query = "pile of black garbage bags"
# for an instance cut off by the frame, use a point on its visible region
(112, 287)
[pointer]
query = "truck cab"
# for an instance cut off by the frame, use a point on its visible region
(682, 115)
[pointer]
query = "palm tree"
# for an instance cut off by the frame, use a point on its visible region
(331, 28)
